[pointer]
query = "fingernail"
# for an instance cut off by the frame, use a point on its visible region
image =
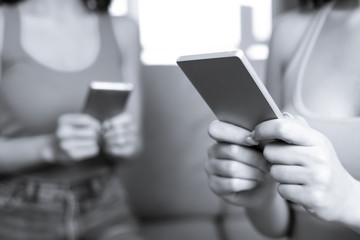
(250, 139)
(287, 115)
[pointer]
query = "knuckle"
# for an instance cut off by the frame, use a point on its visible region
(321, 157)
(233, 185)
(284, 128)
(321, 178)
(231, 168)
(317, 198)
(234, 150)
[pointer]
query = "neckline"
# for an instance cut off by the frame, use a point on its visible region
(59, 71)
(305, 56)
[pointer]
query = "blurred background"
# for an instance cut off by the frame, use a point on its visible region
(167, 184)
(178, 27)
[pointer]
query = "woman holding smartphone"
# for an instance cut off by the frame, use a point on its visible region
(57, 182)
(304, 183)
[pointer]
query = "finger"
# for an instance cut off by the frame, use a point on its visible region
(124, 151)
(289, 174)
(294, 193)
(119, 131)
(122, 119)
(121, 141)
(238, 153)
(282, 153)
(224, 186)
(288, 130)
(233, 169)
(80, 120)
(67, 132)
(71, 145)
(83, 153)
(229, 133)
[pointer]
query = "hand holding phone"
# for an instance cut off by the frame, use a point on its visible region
(107, 99)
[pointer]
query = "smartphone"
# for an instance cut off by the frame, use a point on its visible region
(231, 88)
(106, 99)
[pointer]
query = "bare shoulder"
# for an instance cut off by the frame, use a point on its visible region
(288, 31)
(126, 31)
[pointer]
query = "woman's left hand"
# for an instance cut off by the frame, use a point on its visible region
(120, 136)
(306, 165)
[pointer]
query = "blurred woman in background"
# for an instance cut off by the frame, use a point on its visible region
(304, 182)
(57, 182)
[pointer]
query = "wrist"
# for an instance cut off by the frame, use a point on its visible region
(350, 216)
(47, 151)
(267, 191)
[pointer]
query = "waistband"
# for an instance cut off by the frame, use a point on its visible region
(32, 189)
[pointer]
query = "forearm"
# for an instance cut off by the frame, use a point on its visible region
(272, 217)
(22, 153)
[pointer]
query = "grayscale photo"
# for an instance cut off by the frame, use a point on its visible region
(179, 120)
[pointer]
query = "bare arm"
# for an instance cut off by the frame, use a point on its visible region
(127, 36)
(18, 154)
(22, 153)
(272, 217)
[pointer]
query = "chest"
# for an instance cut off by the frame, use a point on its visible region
(64, 45)
(331, 82)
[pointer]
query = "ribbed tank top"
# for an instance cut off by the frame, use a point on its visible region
(33, 96)
(344, 133)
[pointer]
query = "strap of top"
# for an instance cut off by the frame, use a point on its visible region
(295, 70)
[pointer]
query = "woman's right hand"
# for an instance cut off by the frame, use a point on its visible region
(75, 139)
(237, 171)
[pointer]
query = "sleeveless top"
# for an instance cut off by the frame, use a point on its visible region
(344, 133)
(33, 96)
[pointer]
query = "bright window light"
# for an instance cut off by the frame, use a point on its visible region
(170, 28)
(119, 7)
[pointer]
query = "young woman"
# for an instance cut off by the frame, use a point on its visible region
(57, 181)
(304, 183)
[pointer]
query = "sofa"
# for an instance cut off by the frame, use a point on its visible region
(167, 184)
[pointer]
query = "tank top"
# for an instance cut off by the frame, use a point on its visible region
(33, 96)
(344, 133)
